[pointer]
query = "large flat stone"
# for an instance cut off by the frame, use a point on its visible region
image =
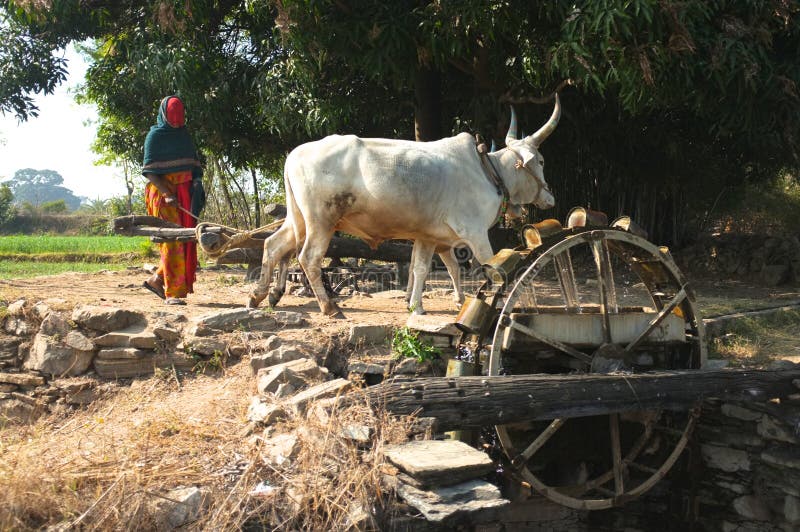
(725, 458)
(244, 319)
(453, 502)
(105, 319)
(439, 325)
(122, 353)
(369, 334)
(439, 463)
(279, 355)
(22, 379)
(268, 379)
(122, 368)
(320, 391)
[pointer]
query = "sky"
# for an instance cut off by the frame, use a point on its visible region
(59, 139)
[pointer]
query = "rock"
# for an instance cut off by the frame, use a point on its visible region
(22, 379)
(284, 390)
(406, 366)
(268, 379)
(369, 334)
(739, 412)
(122, 353)
(83, 396)
(266, 414)
(16, 411)
(179, 506)
(320, 391)
(782, 456)
(439, 462)
(752, 507)
(105, 319)
(205, 346)
(453, 502)
(47, 355)
(17, 308)
(276, 356)
(768, 428)
(76, 340)
(244, 319)
(17, 326)
(121, 368)
(167, 333)
(791, 509)
(437, 325)
(725, 458)
(54, 324)
(40, 310)
(365, 368)
(273, 342)
(280, 449)
(357, 433)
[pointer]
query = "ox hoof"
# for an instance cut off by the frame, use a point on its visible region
(274, 297)
(333, 311)
(418, 311)
(253, 302)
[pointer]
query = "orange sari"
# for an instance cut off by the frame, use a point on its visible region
(178, 259)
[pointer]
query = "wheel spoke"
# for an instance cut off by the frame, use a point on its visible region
(566, 280)
(519, 460)
(674, 302)
(605, 279)
(517, 326)
(616, 452)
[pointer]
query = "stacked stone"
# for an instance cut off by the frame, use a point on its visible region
(288, 379)
(773, 260)
(443, 481)
(751, 453)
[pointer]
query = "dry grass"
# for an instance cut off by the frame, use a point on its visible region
(107, 467)
(756, 342)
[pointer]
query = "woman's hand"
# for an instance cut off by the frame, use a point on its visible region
(169, 198)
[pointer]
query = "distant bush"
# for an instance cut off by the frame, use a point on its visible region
(6, 204)
(54, 207)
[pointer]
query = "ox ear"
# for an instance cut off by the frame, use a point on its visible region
(540, 136)
(526, 154)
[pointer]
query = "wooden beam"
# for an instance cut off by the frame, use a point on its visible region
(471, 402)
(340, 247)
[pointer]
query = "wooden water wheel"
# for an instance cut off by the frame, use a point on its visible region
(586, 299)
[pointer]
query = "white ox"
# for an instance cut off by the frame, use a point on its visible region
(434, 193)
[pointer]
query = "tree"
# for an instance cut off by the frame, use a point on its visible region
(6, 203)
(671, 102)
(40, 186)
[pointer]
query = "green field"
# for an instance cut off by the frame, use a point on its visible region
(32, 255)
(42, 244)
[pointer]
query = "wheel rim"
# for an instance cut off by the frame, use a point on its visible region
(633, 462)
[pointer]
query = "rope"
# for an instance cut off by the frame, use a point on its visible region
(235, 240)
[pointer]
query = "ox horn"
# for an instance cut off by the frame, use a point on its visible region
(544, 132)
(512, 127)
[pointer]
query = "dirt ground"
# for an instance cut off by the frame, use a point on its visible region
(102, 466)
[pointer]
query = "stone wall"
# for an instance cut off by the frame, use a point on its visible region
(772, 260)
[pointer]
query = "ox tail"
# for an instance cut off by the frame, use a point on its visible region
(293, 215)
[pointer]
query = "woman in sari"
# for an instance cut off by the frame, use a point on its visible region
(174, 193)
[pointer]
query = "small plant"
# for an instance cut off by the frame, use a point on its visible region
(406, 344)
(215, 363)
(146, 249)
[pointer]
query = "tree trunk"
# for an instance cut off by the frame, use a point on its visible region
(256, 200)
(428, 105)
(472, 402)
